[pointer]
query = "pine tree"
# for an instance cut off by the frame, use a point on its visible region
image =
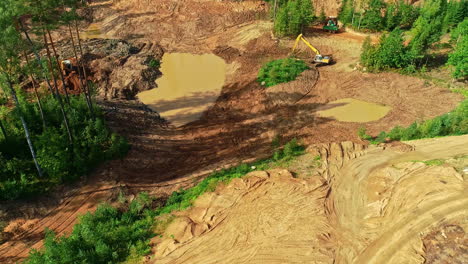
(392, 52)
(306, 12)
(282, 21)
(392, 17)
(368, 53)
(372, 18)
(295, 18)
(459, 57)
(428, 28)
(322, 17)
(409, 14)
(346, 12)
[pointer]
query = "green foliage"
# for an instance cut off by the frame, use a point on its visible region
(346, 12)
(389, 53)
(379, 15)
(280, 71)
(459, 57)
(457, 11)
(275, 143)
(108, 235)
(428, 28)
(362, 133)
(293, 16)
(408, 14)
(453, 123)
(434, 162)
(60, 161)
(460, 31)
(322, 16)
(154, 63)
(372, 18)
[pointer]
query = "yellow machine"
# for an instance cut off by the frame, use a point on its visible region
(318, 57)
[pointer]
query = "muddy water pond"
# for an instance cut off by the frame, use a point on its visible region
(189, 85)
(353, 110)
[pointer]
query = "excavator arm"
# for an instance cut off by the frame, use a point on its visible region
(299, 38)
(318, 57)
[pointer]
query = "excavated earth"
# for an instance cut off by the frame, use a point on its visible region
(356, 204)
(124, 36)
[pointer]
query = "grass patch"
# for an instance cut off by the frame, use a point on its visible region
(434, 162)
(281, 71)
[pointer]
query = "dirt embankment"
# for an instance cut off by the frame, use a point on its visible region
(356, 204)
(238, 127)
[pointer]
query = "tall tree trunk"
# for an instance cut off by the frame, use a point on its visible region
(274, 13)
(33, 81)
(82, 65)
(80, 74)
(58, 66)
(5, 135)
(57, 93)
(37, 56)
(25, 127)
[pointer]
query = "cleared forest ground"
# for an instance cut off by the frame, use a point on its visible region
(239, 126)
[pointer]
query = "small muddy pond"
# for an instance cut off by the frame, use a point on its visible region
(189, 85)
(353, 110)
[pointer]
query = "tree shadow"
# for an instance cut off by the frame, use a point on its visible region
(222, 135)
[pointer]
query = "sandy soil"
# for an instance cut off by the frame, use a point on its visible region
(238, 127)
(354, 208)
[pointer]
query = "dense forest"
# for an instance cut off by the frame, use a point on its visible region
(413, 32)
(48, 136)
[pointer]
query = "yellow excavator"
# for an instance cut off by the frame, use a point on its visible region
(318, 57)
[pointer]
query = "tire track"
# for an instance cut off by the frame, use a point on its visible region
(384, 248)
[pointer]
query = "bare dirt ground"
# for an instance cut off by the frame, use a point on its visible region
(352, 206)
(240, 125)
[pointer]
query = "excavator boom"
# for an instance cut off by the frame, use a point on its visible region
(299, 38)
(318, 57)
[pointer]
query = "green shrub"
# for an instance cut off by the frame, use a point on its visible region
(281, 71)
(108, 235)
(453, 123)
(459, 57)
(154, 63)
(362, 133)
(390, 53)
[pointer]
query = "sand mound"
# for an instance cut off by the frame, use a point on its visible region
(250, 221)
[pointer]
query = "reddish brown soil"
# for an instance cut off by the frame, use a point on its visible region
(241, 124)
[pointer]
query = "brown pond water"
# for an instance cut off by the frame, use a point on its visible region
(189, 85)
(353, 110)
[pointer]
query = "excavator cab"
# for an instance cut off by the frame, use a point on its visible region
(322, 59)
(70, 72)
